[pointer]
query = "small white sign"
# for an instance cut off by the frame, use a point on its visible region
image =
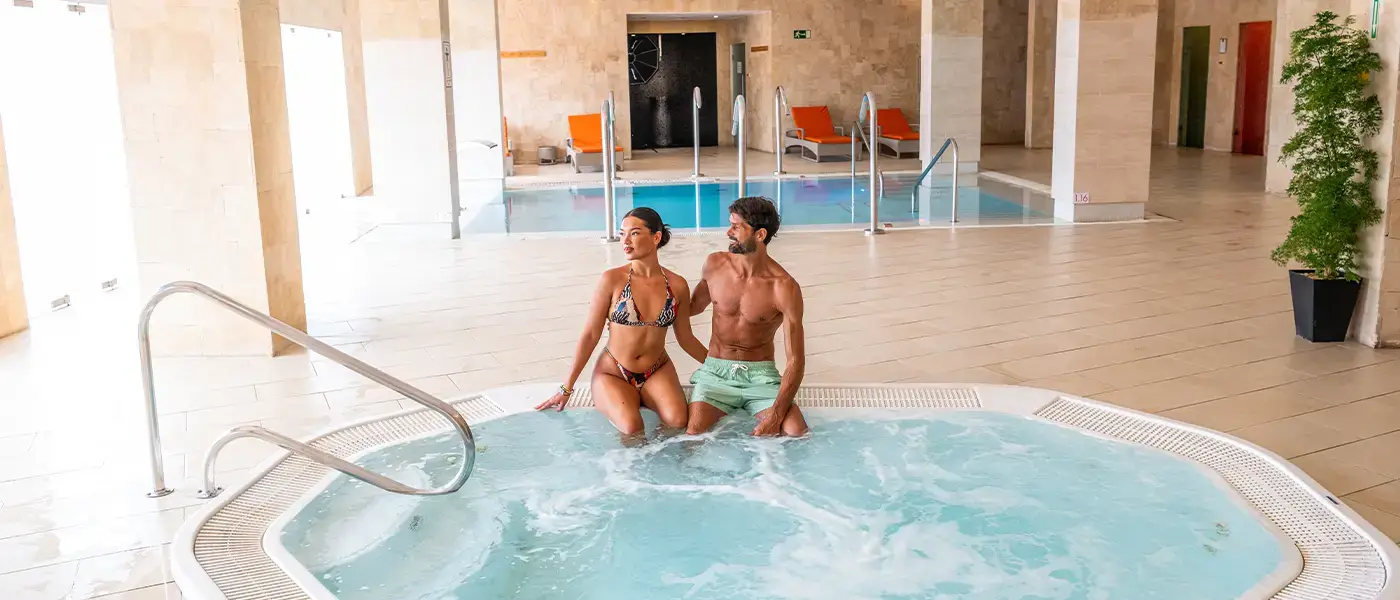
(1081, 197)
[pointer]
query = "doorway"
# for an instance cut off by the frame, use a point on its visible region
(1195, 71)
(1252, 88)
(664, 69)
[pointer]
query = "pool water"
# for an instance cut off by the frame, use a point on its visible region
(815, 202)
(889, 505)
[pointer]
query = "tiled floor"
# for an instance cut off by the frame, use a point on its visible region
(1187, 318)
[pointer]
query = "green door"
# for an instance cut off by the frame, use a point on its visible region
(1195, 68)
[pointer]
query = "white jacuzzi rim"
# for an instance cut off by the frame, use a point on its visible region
(196, 583)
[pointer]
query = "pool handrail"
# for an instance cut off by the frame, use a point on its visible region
(695, 105)
(740, 140)
(914, 197)
(609, 171)
(868, 111)
(143, 338)
(780, 107)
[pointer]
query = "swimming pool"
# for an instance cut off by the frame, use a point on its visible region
(906, 491)
(884, 505)
(813, 202)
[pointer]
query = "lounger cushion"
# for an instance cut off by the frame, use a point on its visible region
(903, 137)
(828, 139)
(892, 122)
(586, 131)
(591, 147)
(815, 123)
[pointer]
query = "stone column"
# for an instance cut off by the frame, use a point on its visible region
(14, 317)
(407, 112)
(204, 112)
(352, 40)
(950, 95)
(476, 74)
(1104, 61)
(1166, 71)
(1040, 73)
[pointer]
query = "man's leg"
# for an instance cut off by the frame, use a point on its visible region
(703, 416)
(793, 424)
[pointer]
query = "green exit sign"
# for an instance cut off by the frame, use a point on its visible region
(801, 34)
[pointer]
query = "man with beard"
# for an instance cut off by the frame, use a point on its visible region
(752, 295)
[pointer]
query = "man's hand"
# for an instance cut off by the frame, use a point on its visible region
(770, 425)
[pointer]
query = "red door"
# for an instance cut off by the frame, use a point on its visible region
(1252, 87)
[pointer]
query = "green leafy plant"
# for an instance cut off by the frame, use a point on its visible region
(1330, 65)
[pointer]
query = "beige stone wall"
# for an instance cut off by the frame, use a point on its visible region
(14, 316)
(1167, 69)
(855, 47)
(725, 34)
(321, 14)
(950, 104)
(356, 103)
(1224, 19)
(1040, 73)
(1004, 38)
(203, 110)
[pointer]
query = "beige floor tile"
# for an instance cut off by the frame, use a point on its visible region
(1253, 408)
(1365, 418)
(42, 583)
(1074, 383)
(1141, 372)
(1338, 477)
(1387, 523)
(1339, 358)
(1385, 497)
(1295, 436)
(1374, 454)
(1163, 395)
(121, 572)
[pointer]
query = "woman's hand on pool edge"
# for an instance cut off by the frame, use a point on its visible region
(558, 400)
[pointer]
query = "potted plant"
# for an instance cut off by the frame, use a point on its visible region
(1330, 65)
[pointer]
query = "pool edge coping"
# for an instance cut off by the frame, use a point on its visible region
(195, 581)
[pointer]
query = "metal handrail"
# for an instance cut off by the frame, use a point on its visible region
(695, 105)
(956, 164)
(741, 140)
(780, 105)
(609, 160)
(867, 109)
(143, 340)
(859, 134)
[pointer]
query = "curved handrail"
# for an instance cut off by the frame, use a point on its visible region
(741, 140)
(780, 104)
(868, 111)
(914, 195)
(696, 103)
(295, 335)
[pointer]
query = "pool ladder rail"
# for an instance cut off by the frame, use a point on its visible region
(459, 424)
(914, 197)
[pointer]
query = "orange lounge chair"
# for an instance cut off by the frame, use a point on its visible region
(815, 134)
(896, 133)
(585, 143)
(505, 137)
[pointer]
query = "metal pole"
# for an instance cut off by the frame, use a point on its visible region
(779, 104)
(955, 179)
(695, 130)
(869, 104)
(854, 134)
(697, 207)
(609, 195)
(741, 140)
(453, 185)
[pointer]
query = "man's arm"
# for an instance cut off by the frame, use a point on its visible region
(700, 298)
(789, 302)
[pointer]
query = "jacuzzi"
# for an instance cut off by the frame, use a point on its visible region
(908, 491)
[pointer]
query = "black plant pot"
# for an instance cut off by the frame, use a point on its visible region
(1322, 308)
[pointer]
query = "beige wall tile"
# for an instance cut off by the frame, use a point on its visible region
(14, 316)
(1004, 71)
(1040, 73)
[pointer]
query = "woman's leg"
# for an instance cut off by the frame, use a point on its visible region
(662, 393)
(617, 399)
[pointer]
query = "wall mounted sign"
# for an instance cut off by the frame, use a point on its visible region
(1081, 197)
(1224, 43)
(759, 49)
(523, 54)
(806, 34)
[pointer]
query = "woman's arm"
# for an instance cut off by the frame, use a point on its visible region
(685, 336)
(587, 341)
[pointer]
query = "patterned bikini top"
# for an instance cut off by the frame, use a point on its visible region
(626, 312)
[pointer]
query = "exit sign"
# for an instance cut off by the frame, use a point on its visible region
(801, 34)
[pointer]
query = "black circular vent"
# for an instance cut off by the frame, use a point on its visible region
(643, 59)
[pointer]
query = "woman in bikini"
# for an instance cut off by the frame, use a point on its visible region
(638, 302)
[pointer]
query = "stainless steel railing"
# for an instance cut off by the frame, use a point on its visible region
(956, 165)
(780, 106)
(868, 111)
(741, 140)
(609, 170)
(295, 335)
(695, 104)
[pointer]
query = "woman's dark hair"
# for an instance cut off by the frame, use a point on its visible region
(653, 223)
(759, 213)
